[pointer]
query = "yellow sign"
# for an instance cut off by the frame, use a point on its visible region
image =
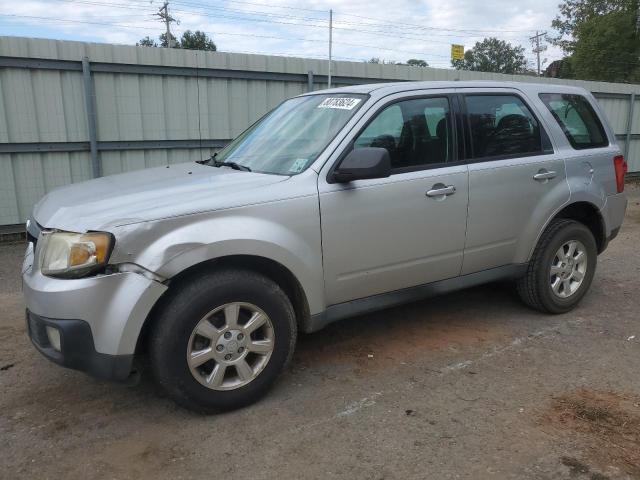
(457, 52)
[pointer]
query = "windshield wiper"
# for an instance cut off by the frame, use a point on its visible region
(206, 162)
(215, 163)
(234, 165)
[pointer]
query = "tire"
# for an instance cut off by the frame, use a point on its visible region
(535, 288)
(174, 337)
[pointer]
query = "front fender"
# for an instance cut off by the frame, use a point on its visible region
(287, 233)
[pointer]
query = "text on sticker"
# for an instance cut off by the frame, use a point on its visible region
(340, 103)
(298, 165)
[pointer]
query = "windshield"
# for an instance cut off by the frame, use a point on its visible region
(289, 139)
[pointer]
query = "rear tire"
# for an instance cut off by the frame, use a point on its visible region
(561, 269)
(205, 352)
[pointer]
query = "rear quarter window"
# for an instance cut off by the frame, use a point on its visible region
(577, 118)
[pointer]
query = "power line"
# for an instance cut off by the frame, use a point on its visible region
(286, 7)
(378, 20)
(68, 20)
(381, 23)
(376, 27)
(135, 5)
(63, 20)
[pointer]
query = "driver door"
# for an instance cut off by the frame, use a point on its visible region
(388, 234)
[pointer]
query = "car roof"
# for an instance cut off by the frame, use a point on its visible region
(383, 89)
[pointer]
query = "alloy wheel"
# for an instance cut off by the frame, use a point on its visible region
(230, 346)
(568, 268)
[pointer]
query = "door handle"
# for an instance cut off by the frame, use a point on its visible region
(543, 175)
(440, 190)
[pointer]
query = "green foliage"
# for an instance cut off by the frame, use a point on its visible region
(147, 42)
(493, 55)
(174, 41)
(414, 62)
(600, 39)
(575, 12)
(607, 49)
(197, 41)
(378, 61)
(560, 69)
(190, 41)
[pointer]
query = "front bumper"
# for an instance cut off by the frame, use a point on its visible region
(101, 316)
(77, 350)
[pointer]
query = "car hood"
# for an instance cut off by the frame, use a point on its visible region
(146, 195)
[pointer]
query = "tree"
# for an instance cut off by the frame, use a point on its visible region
(414, 62)
(190, 40)
(147, 42)
(379, 61)
(559, 69)
(607, 49)
(493, 55)
(600, 40)
(174, 41)
(197, 41)
(575, 12)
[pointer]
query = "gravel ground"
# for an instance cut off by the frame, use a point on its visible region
(468, 385)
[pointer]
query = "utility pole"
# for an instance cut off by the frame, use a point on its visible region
(163, 13)
(538, 48)
(330, 45)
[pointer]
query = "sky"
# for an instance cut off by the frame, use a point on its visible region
(390, 30)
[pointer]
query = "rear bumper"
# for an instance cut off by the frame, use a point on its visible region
(613, 212)
(77, 349)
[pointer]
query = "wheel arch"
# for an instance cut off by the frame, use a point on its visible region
(270, 268)
(589, 215)
(584, 212)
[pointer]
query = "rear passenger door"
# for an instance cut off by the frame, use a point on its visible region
(515, 180)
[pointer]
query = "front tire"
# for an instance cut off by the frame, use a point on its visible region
(561, 269)
(220, 341)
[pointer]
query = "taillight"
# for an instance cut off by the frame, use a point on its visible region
(621, 170)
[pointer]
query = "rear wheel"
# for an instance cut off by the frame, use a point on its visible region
(220, 341)
(561, 268)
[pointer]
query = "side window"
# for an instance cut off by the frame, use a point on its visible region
(502, 125)
(388, 123)
(578, 120)
(416, 133)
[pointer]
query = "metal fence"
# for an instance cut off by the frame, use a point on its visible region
(71, 111)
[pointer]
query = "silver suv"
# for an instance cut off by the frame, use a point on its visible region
(334, 204)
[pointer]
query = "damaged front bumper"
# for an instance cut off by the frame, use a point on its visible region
(98, 318)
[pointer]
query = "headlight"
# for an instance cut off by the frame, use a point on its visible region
(66, 254)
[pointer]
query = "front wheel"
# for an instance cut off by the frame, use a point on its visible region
(561, 268)
(221, 340)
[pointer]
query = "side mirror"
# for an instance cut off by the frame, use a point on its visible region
(363, 163)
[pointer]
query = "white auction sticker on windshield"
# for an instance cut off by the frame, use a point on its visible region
(298, 165)
(340, 103)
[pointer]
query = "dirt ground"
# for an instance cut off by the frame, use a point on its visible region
(468, 385)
